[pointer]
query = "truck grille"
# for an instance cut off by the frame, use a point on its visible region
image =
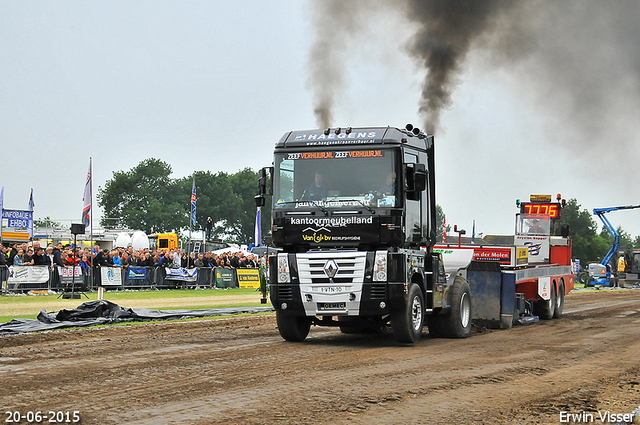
(351, 267)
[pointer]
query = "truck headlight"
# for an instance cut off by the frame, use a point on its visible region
(380, 267)
(284, 276)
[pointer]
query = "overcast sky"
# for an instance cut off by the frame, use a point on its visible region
(212, 85)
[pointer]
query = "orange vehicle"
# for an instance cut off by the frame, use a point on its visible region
(163, 241)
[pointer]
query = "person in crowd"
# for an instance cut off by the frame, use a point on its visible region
(38, 257)
(115, 258)
(235, 260)
(57, 255)
(18, 259)
(177, 259)
(84, 263)
(251, 261)
(49, 257)
(242, 261)
(199, 262)
(28, 257)
(134, 259)
(191, 260)
(209, 227)
(164, 261)
(147, 261)
(100, 259)
(124, 259)
(3, 256)
(209, 260)
(184, 260)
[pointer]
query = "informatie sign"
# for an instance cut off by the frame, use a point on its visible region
(16, 224)
(248, 278)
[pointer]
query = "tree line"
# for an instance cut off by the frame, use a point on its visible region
(149, 199)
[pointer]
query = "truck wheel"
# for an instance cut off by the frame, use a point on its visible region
(292, 328)
(407, 323)
(546, 308)
(559, 302)
(457, 324)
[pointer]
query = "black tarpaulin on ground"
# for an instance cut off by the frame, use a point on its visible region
(102, 312)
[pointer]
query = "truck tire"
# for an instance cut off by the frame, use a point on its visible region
(292, 328)
(407, 323)
(546, 308)
(559, 302)
(457, 323)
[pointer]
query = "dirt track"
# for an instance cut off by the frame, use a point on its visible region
(239, 371)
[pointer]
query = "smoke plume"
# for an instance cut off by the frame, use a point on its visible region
(446, 31)
(336, 23)
(575, 61)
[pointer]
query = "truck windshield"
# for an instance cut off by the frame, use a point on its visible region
(532, 224)
(337, 178)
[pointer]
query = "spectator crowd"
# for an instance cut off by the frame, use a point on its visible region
(65, 255)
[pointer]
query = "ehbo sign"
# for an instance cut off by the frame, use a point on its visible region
(17, 219)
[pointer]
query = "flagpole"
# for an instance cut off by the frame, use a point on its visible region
(31, 205)
(1, 212)
(91, 269)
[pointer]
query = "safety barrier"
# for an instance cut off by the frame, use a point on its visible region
(165, 278)
(27, 278)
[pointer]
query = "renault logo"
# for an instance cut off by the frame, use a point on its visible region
(330, 268)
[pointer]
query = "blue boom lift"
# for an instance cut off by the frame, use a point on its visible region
(600, 273)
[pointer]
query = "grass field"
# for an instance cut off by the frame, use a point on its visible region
(29, 306)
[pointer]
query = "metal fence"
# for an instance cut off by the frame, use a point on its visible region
(28, 278)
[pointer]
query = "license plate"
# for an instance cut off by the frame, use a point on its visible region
(331, 306)
(331, 289)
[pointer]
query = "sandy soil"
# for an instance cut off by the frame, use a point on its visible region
(239, 371)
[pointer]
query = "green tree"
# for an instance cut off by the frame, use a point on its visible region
(46, 222)
(147, 198)
(439, 223)
(144, 198)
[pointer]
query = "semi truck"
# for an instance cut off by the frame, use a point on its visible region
(354, 214)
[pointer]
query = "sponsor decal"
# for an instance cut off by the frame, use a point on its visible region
(325, 222)
(335, 154)
(351, 137)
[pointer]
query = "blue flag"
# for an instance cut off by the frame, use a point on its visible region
(193, 203)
